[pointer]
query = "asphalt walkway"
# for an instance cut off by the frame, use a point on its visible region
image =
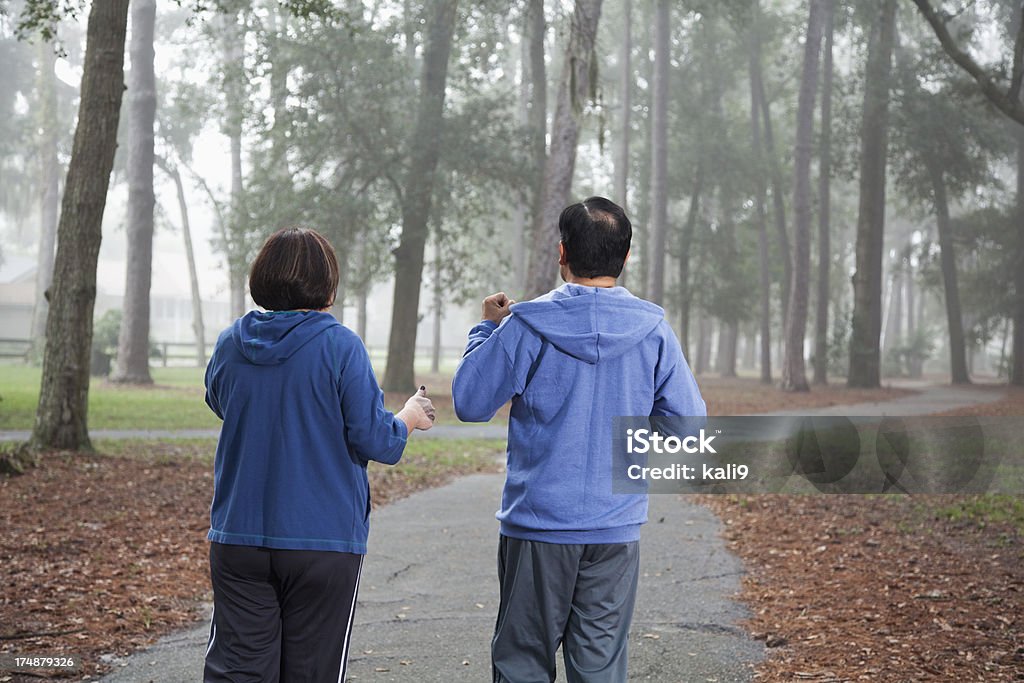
(429, 590)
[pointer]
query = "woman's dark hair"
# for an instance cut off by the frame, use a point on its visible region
(596, 234)
(296, 268)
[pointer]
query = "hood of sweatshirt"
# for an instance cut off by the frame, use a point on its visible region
(590, 323)
(271, 337)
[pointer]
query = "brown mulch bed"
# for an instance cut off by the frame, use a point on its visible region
(102, 554)
(857, 588)
(884, 588)
(743, 396)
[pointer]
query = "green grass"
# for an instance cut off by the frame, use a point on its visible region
(984, 510)
(175, 401)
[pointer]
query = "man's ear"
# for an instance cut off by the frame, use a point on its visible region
(626, 260)
(561, 254)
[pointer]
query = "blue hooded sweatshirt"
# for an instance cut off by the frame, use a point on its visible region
(303, 414)
(571, 361)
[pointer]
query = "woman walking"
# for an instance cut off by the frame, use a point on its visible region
(303, 415)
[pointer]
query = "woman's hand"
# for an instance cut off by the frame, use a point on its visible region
(418, 412)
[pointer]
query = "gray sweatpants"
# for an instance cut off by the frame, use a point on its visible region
(578, 596)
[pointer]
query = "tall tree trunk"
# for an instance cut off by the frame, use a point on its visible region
(913, 363)
(951, 290)
(424, 151)
(522, 215)
(1017, 372)
(893, 331)
(62, 414)
(774, 168)
(749, 348)
(824, 205)
(49, 197)
(277, 27)
(574, 89)
(641, 232)
(133, 341)
(865, 363)
(234, 90)
(761, 217)
(685, 246)
(659, 152)
(438, 306)
(728, 337)
(704, 332)
(728, 329)
(538, 123)
(794, 376)
(621, 179)
(198, 329)
(362, 289)
(362, 296)
(338, 307)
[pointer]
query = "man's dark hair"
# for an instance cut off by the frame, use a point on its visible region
(296, 268)
(596, 235)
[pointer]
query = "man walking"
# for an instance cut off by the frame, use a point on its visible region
(571, 361)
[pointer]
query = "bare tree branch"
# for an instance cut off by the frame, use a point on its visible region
(1007, 102)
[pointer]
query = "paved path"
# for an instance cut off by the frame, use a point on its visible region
(429, 589)
(928, 400)
(429, 597)
(456, 431)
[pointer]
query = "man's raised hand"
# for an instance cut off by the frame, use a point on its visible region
(495, 307)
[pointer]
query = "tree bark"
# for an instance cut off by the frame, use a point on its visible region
(537, 122)
(728, 336)
(775, 169)
(198, 329)
(133, 342)
(865, 366)
(893, 321)
(235, 247)
(277, 27)
(438, 306)
(621, 179)
(824, 205)
(573, 91)
(642, 214)
(685, 246)
(793, 370)
(424, 151)
(62, 414)
(951, 290)
(704, 332)
(338, 307)
(362, 296)
(1017, 372)
(761, 218)
(659, 152)
(913, 364)
(362, 289)
(49, 197)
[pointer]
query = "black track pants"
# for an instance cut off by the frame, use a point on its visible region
(578, 596)
(280, 615)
